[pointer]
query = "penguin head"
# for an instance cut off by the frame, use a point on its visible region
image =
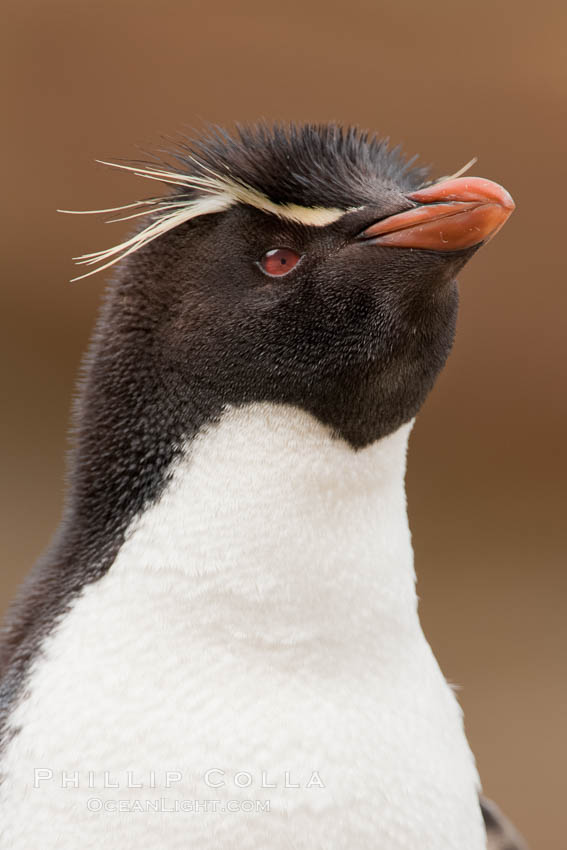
(310, 266)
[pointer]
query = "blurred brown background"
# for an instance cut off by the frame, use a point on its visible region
(486, 475)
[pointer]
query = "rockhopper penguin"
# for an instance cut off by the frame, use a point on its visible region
(221, 648)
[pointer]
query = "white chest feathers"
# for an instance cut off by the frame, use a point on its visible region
(251, 673)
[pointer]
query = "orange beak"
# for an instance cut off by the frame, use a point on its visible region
(456, 214)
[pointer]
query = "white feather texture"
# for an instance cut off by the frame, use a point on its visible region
(260, 620)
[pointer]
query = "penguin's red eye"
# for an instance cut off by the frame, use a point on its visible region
(279, 261)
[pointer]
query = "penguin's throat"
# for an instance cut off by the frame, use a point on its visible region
(272, 529)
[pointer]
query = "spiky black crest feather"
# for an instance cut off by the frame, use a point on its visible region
(313, 165)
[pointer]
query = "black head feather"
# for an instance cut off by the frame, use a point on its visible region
(309, 164)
